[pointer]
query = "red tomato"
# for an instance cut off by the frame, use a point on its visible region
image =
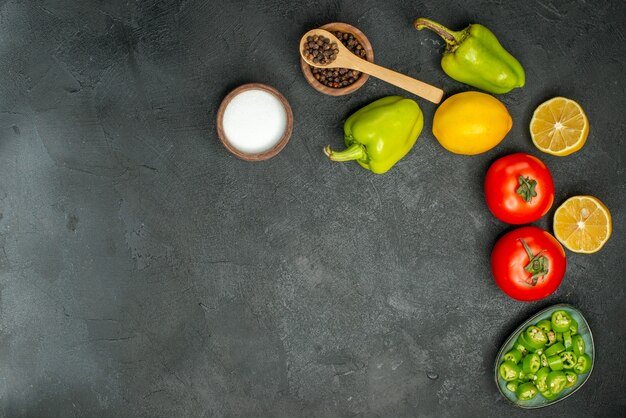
(519, 189)
(525, 276)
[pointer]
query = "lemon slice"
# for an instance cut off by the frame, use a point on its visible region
(582, 224)
(559, 126)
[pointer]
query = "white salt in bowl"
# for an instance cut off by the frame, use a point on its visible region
(254, 122)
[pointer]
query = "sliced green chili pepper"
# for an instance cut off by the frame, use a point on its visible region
(569, 359)
(559, 337)
(551, 338)
(529, 376)
(544, 360)
(548, 395)
(561, 321)
(523, 341)
(531, 363)
(520, 347)
(567, 339)
(573, 327)
(571, 379)
(535, 337)
(578, 344)
(510, 371)
(583, 364)
(526, 391)
(555, 362)
(545, 325)
(514, 355)
(556, 382)
(542, 376)
(512, 386)
(554, 349)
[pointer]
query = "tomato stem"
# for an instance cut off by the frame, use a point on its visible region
(537, 266)
(526, 188)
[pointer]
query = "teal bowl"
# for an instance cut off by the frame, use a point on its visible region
(539, 401)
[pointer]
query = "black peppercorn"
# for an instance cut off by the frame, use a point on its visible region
(334, 77)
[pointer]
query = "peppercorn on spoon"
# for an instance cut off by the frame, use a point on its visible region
(346, 59)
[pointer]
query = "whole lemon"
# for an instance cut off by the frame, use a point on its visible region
(471, 123)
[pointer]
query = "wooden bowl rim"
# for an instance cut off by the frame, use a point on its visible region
(265, 155)
(369, 55)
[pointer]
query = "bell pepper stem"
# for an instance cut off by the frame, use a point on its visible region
(451, 37)
(353, 152)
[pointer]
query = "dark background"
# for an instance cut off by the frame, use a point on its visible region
(145, 271)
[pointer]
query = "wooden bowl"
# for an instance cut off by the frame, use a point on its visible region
(265, 155)
(369, 55)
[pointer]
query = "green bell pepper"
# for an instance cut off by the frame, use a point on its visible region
(378, 135)
(474, 56)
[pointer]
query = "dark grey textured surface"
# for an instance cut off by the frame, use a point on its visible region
(144, 271)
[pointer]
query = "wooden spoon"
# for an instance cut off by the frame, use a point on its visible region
(346, 59)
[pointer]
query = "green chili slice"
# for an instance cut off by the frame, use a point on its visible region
(526, 391)
(568, 358)
(514, 355)
(542, 376)
(531, 363)
(510, 371)
(555, 362)
(548, 395)
(554, 349)
(571, 378)
(583, 364)
(561, 321)
(556, 382)
(578, 345)
(535, 337)
(545, 325)
(567, 339)
(512, 385)
(523, 341)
